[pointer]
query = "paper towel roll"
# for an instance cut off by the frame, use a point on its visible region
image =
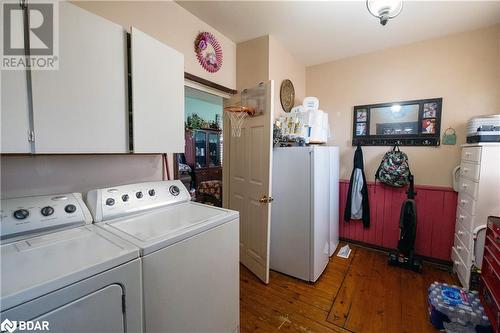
(318, 132)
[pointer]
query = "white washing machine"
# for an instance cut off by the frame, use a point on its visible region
(64, 274)
(190, 254)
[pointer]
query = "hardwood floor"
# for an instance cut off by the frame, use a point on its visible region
(359, 294)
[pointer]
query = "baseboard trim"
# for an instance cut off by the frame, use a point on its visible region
(439, 262)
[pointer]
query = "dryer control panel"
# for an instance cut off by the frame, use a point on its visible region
(124, 200)
(24, 216)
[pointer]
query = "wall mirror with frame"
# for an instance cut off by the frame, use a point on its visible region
(407, 123)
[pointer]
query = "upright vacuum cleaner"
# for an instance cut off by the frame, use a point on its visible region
(404, 256)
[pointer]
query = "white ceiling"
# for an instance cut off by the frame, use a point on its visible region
(317, 32)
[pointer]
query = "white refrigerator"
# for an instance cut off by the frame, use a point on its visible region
(305, 210)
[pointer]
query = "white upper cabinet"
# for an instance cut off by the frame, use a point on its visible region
(157, 95)
(82, 107)
(15, 112)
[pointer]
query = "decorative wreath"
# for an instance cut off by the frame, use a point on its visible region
(208, 51)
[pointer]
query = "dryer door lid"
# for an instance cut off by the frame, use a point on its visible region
(39, 265)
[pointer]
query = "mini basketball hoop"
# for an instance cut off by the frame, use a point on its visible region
(237, 114)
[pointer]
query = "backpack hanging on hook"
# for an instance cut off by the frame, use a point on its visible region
(394, 169)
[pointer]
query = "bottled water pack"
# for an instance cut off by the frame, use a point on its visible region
(456, 310)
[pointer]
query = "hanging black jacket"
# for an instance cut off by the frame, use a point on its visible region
(357, 192)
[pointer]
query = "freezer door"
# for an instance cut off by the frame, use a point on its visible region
(291, 212)
(320, 203)
(334, 199)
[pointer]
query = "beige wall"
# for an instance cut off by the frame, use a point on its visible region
(50, 174)
(173, 25)
(282, 65)
(464, 69)
(263, 59)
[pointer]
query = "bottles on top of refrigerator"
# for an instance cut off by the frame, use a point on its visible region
(306, 121)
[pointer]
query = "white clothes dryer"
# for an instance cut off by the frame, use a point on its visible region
(63, 274)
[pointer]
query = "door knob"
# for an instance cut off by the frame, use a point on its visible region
(266, 199)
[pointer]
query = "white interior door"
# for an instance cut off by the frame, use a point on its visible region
(250, 157)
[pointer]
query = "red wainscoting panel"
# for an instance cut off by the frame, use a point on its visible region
(436, 209)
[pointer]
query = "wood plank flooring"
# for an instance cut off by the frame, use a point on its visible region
(359, 294)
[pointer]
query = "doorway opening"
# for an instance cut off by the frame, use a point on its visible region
(200, 166)
(229, 170)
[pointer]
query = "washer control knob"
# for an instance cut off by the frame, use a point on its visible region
(151, 192)
(110, 202)
(47, 211)
(70, 208)
(125, 197)
(174, 190)
(139, 195)
(21, 214)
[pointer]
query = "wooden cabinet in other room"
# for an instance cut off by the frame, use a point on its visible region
(203, 154)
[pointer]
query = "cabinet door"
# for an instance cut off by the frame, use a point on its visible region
(14, 108)
(189, 148)
(82, 107)
(213, 150)
(157, 96)
(15, 113)
(200, 149)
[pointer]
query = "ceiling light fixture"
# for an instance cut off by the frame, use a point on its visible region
(384, 9)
